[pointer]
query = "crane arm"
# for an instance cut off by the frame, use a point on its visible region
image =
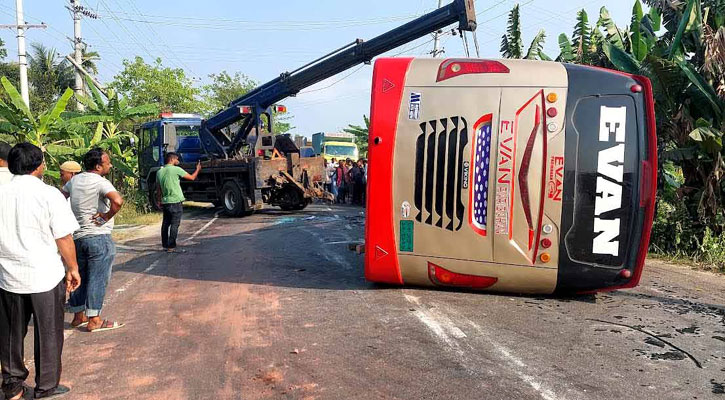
(290, 83)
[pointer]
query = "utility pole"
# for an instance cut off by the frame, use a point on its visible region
(78, 12)
(77, 43)
(21, 26)
(436, 38)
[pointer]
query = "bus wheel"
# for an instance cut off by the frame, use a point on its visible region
(234, 201)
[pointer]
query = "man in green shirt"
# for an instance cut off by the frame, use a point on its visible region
(171, 197)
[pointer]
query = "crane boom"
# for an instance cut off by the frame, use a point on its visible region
(253, 104)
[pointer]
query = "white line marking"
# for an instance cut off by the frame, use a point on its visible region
(203, 228)
(443, 328)
(517, 366)
(412, 299)
(341, 242)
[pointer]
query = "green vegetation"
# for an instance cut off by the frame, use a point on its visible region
(512, 42)
(361, 136)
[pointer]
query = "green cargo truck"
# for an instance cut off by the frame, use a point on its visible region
(335, 145)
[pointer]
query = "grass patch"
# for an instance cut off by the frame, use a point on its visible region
(130, 215)
(716, 267)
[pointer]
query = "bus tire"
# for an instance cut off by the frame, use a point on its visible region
(234, 201)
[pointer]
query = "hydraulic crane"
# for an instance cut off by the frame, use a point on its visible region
(252, 106)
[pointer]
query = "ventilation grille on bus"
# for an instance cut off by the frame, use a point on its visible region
(440, 169)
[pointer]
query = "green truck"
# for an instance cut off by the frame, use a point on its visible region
(335, 145)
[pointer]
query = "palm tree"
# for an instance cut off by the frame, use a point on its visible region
(89, 59)
(48, 74)
(512, 42)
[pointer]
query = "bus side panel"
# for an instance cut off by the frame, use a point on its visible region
(606, 141)
(381, 256)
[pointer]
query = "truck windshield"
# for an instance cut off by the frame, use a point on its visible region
(337, 150)
(187, 130)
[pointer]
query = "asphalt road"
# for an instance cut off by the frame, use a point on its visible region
(274, 306)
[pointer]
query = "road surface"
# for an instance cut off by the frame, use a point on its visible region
(274, 306)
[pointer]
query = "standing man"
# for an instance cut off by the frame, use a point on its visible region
(330, 171)
(5, 174)
(171, 197)
(356, 183)
(68, 170)
(94, 202)
(36, 226)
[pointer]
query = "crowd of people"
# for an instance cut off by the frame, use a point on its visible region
(55, 244)
(347, 180)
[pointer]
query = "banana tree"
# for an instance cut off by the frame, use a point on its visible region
(106, 123)
(361, 135)
(685, 64)
(47, 130)
(512, 42)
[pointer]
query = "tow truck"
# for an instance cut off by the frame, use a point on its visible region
(245, 164)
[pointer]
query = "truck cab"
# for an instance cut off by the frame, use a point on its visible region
(335, 145)
(171, 132)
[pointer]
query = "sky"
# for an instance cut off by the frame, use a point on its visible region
(205, 37)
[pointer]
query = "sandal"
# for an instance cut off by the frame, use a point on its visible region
(106, 325)
(81, 325)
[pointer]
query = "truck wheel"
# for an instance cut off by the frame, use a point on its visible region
(292, 200)
(234, 201)
(152, 197)
(301, 205)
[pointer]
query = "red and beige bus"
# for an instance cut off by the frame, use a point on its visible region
(509, 175)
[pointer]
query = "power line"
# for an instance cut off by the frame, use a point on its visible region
(131, 36)
(217, 20)
(336, 82)
(161, 49)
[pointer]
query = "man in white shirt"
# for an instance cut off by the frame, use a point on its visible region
(94, 202)
(5, 174)
(36, 226)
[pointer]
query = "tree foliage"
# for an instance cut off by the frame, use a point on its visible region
(169, 88)
(49, 75)
(223, 89)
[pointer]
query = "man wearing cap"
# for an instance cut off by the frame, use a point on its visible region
(68, 170)
(5, 174)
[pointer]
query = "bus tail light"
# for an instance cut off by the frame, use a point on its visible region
(280, 109)
(245, 109)
(455, 67)
(443, 277)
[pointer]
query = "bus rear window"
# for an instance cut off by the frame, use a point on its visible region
(606, 180)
